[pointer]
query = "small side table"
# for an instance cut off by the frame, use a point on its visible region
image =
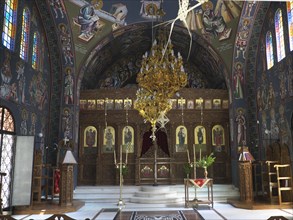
(199, 183)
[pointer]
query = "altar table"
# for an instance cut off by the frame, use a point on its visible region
(199, 183)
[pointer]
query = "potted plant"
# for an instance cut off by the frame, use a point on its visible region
(187, 169)
(205, 162)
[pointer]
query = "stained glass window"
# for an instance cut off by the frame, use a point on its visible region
(35, 55)
(290, 23)
(269, 50)
(24, 43)
(9, 24)
(6, 149)
(279, 35)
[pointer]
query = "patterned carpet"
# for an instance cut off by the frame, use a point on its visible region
(159, 215)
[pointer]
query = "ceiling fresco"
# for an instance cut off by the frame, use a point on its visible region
(123, 30)
(117, 63)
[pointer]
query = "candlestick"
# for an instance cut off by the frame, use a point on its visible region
(115, 162)
(194, 154)
(120, 154)
(126, 155)
(188, 156)
(200, 154)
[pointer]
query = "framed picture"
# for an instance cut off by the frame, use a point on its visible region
(100, 104)
(174, 103)
(118, 104)
(190, 104)
(218, 137)
(127, 139)
(91, 104)
(208, 104)
(127, 103)
(200, 135)
(216, 103)
(181, 139)
(109, 140)
(109, 103)
(181, 103)
(90, 137)
(82, 104)
(225, 104)
(199, 103)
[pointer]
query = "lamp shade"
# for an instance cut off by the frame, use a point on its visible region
(69, 158)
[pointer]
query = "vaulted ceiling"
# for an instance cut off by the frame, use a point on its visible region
(117, 63)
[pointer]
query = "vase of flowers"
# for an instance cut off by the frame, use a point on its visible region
(205, 162)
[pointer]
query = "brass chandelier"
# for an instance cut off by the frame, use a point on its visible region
(160, 77)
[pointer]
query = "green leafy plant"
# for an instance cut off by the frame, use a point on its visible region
(187, 168)
(206, 161)
(124, 170)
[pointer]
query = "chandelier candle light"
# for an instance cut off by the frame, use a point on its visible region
(160, 77)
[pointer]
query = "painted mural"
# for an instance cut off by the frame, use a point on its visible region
(24, 80)
(91, 21)
(274, 85)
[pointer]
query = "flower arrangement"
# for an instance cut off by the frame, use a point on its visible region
(206, 161)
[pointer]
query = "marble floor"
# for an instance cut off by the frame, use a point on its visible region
(220, 211)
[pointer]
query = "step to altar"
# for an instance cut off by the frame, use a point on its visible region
(151, 194)
(155, 195)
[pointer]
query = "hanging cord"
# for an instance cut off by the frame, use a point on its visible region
(106, 103)
(182, 112)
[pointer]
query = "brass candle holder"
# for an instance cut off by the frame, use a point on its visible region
(120, 165)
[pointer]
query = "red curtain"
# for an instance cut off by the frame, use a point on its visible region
(161, 138)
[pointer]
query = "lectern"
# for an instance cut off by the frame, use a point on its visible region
(66, 189)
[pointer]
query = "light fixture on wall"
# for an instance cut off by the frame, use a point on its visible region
(160, 77)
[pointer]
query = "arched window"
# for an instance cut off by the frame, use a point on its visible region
(290, 23)
(9, 24)
(279, 35)
(6, 144)
(24, 43)
(36, 51)
(269, 50)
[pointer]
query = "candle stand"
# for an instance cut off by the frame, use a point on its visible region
(120, 165)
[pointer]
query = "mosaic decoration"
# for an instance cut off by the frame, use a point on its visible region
(6, 77)
(68, 87)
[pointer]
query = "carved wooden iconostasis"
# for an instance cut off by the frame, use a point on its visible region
(127, 128)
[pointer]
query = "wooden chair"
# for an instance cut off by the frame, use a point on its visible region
(284, 181)
(269, 178)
